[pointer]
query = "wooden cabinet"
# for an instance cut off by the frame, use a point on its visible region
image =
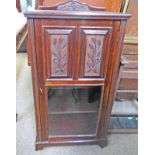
(75, 59)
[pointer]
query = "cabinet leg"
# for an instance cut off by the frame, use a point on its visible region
(39, 147)
(103, 143)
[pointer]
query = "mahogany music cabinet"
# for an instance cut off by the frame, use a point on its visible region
(75, 58)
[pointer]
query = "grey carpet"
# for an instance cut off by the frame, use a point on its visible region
(118, 144)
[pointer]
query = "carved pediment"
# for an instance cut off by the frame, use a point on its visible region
(72, 5)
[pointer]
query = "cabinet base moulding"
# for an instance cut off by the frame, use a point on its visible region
(39, 145)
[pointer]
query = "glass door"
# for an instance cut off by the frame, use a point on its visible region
(73, 110)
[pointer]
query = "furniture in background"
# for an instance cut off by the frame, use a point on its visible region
(75, 60)
(21, 33)
(21, 29)
(18, 6)
(128, 87)
(124, 115)
(22, 43)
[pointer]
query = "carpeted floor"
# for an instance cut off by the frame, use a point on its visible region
(118, 144)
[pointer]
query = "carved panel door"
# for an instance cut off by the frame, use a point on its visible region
(94, 43)
(59, 51)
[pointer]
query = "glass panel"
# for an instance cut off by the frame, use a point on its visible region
(73, 110)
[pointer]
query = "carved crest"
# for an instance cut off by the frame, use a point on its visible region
(72, 5)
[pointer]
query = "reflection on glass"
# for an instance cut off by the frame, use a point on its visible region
(72, 99)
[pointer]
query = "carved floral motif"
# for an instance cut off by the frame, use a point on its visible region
(93, 55)
(59, 56)
(73, 5)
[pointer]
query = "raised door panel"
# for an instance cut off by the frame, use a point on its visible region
(59, 51)
(94, 49)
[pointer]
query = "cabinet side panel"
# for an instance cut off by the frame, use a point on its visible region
(41, 79)
(34, 72)
(112, 74)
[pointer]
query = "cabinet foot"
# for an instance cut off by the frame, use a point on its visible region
(38, 147)
(103, 143)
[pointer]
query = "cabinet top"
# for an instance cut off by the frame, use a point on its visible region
(55, 14)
